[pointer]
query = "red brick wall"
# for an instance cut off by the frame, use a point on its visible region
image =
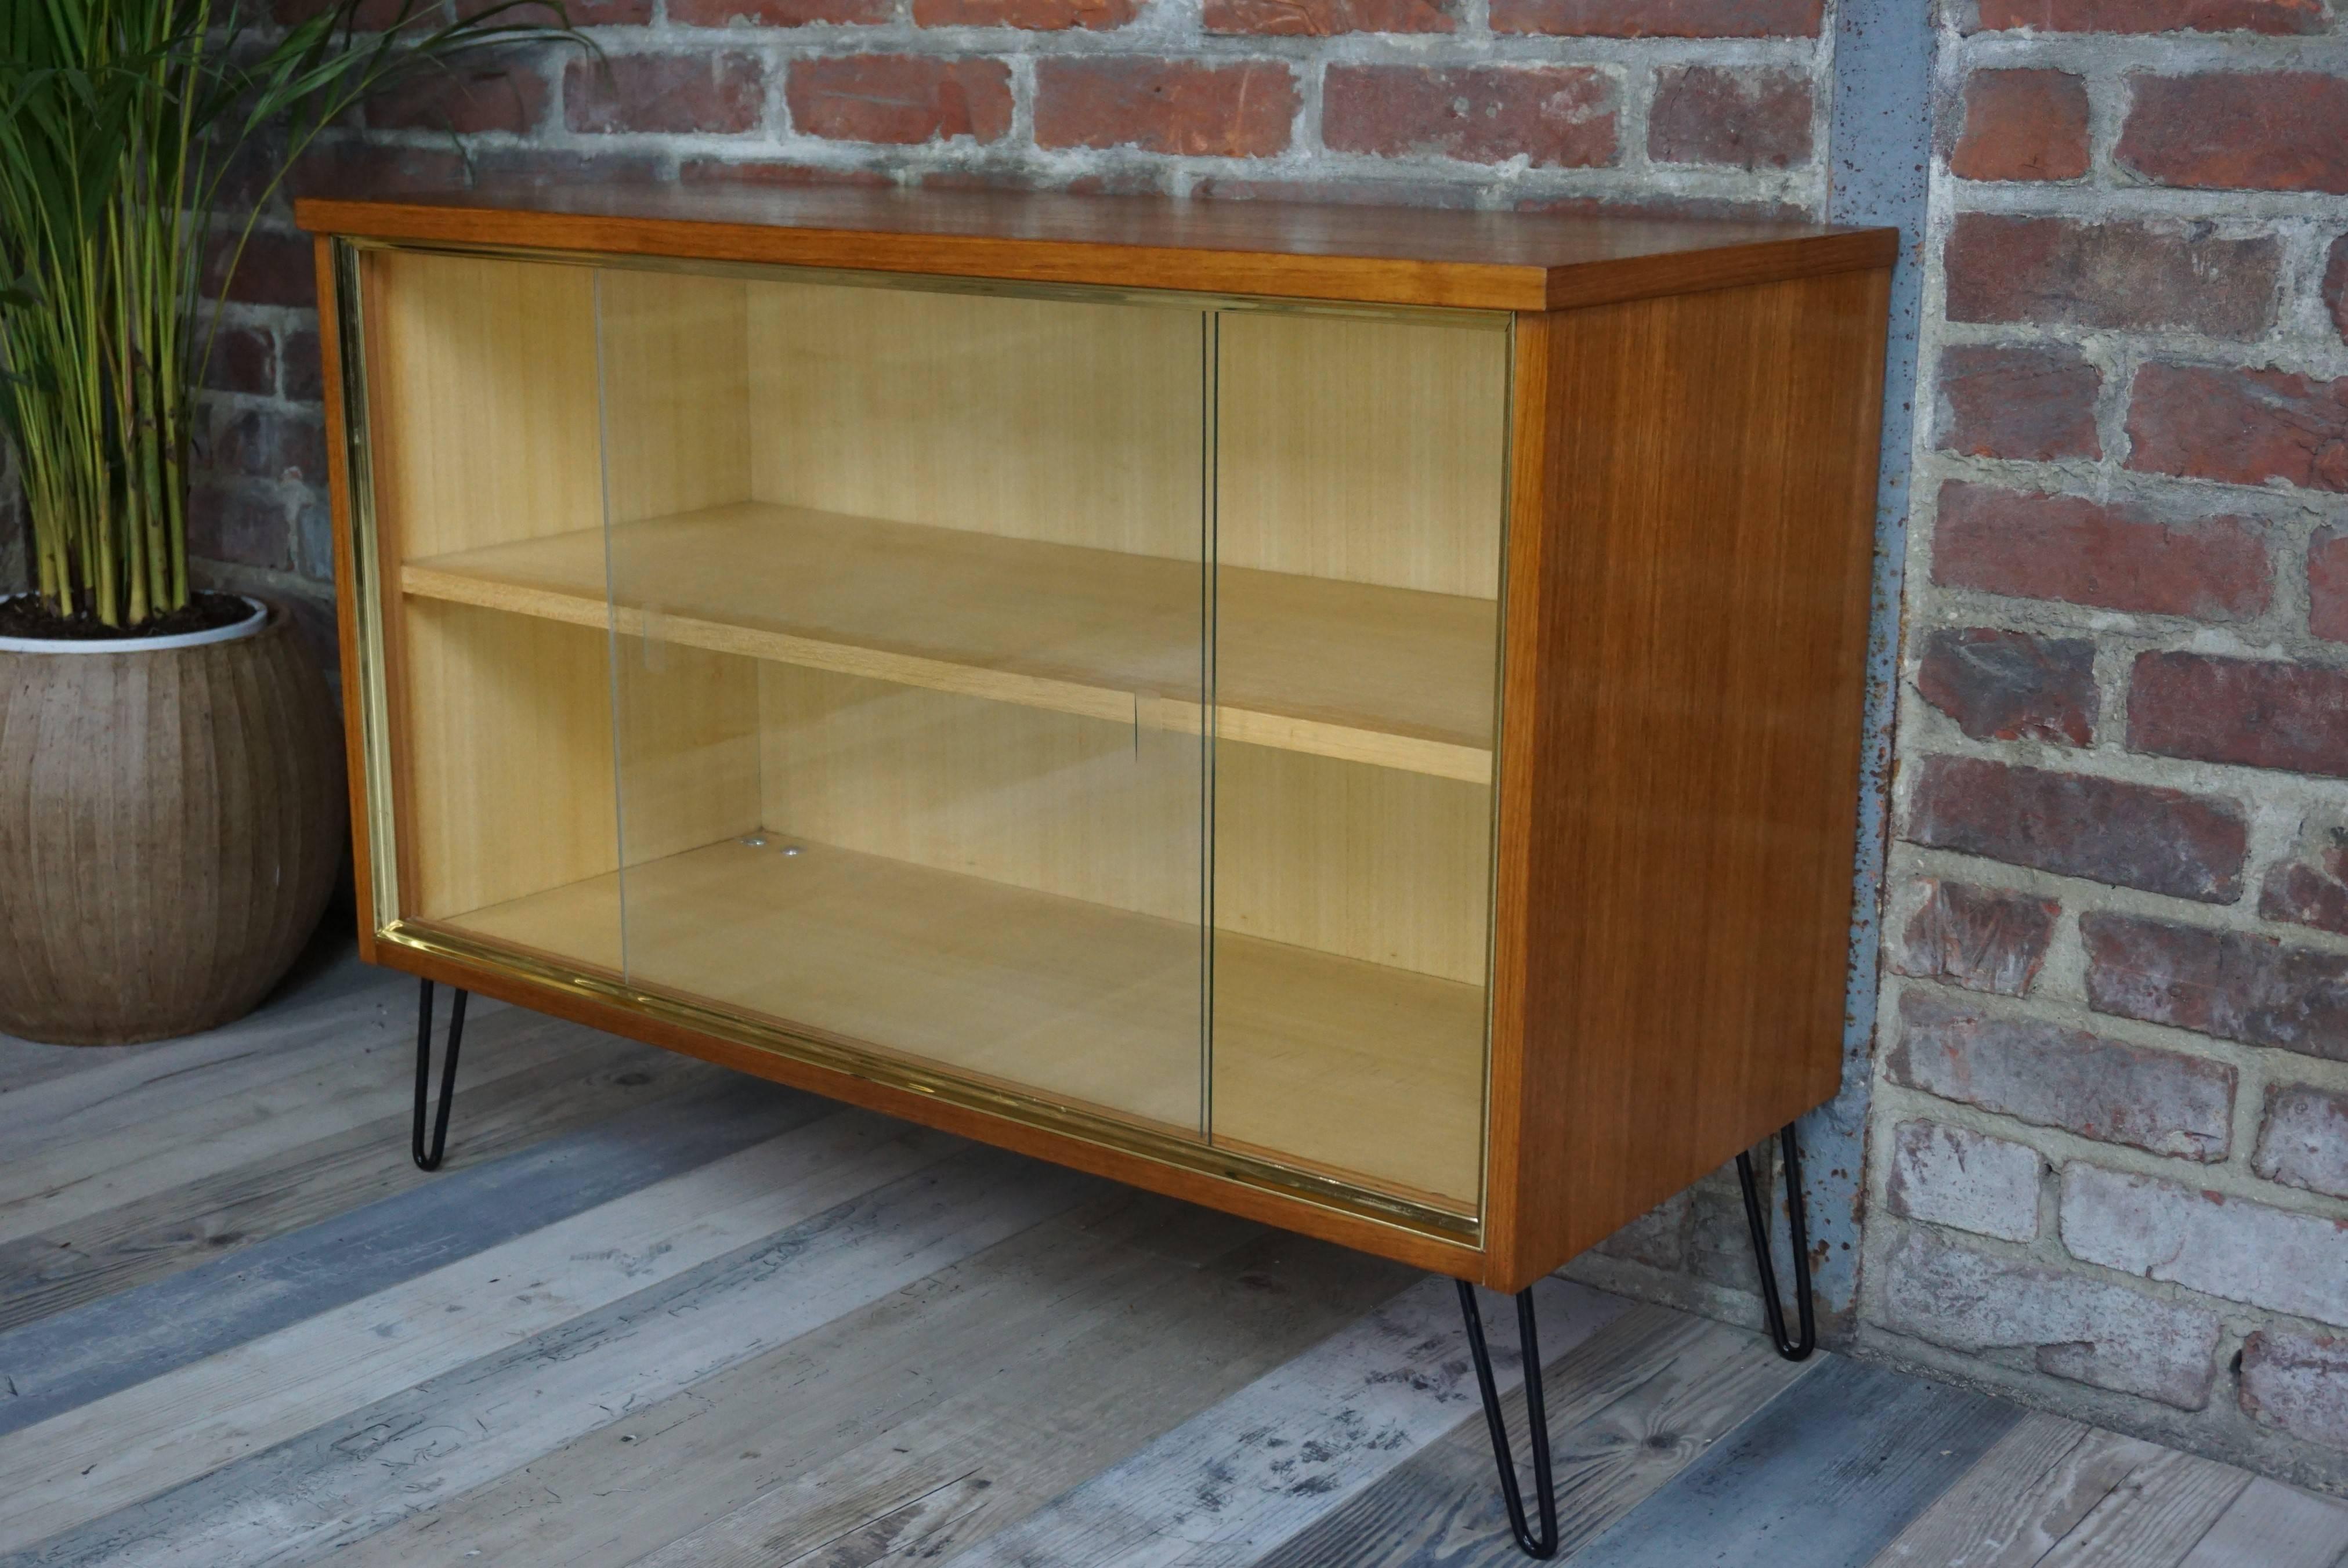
(2110, 1127)
(1713, 106)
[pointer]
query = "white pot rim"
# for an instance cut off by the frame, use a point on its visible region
(250, 625)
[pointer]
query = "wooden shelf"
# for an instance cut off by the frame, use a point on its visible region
(1389, 676)
(1332, 1064)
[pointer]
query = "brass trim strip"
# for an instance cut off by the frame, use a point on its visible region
(1266, 1175)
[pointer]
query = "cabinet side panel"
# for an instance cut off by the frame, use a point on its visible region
(354, 668)
(1709, 485)
(1518, 783)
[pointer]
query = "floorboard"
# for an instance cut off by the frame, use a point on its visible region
(127, 1085)
(2271, 1525)
(2152, 1518)
(1017, 1371)
(656, 1316)
(328, 975)
(129, 1337)
(2029, 1490)
(1823, 1477)
(1629, 1410)
(216, 1221)
(337, 1091)
(294, 1434)
(1264, 1464)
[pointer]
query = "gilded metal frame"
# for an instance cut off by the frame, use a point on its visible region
(430, 939)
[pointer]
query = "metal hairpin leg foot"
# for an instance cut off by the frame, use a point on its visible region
(1542, 1546)
(430, 1159)
(1757, 1221)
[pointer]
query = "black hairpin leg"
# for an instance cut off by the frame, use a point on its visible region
(1755, 1220)
(430, 1159)
(1544, 1545)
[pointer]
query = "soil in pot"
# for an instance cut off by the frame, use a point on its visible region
(30, 615)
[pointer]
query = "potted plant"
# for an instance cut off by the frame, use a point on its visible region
(171, 818)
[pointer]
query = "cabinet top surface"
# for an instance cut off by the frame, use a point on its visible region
(1380, 255)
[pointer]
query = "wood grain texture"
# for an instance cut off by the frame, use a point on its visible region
(327, 1225)
(687, 746)
(372, 1412)
(484, 427)
(880, 1464)
(673, 376)
(341, 504)
(318, 1091)
(1360, 449)
(2165, 1502)
(115, 1090)
(1393, 676)
(2028, 1493)
(508, 736)
(1408, 256)
(1824, 1476)
(1083, 807)
(1336, 1064)
(2271, 1525)
(170, 823)
(1386, 865)
(1682, 691)
(1224, 1487)
(26, 1062)
(650, 1383)
(482, 403)
(1245, 1195)
(1069, 422)
(1630, 1409)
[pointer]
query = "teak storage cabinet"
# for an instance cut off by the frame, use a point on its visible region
(1348, 716)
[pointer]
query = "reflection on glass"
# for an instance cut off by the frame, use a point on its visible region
(1359, 466)
(908, 582)
(872, 661)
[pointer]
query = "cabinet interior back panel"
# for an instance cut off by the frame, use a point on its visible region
(689, 753)
(1371, 451)
(1378, 864)
(1078, 424)
(1058, 803)
(1369, 863)
(676, 381)
(508, 757)
(483, 383)
(483, 393)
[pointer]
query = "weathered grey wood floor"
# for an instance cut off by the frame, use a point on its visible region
(654, 1314)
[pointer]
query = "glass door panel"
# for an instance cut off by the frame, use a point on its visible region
(908, 591)
(481, 404)
(1359, 492)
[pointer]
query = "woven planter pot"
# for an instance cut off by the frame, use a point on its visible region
(171, 822)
